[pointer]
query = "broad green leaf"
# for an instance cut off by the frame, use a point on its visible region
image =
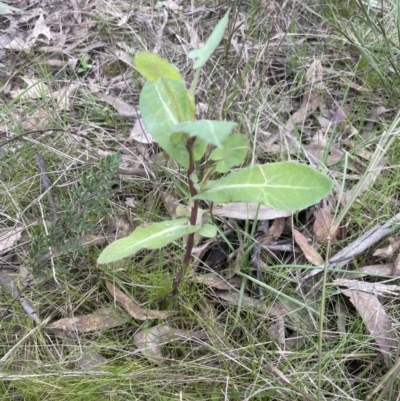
(208, 231)
(154, 236)
(283, 186)
(231, 154)
(152, 66)
(202, 55)
(163, 104)
(213, 132)
(191, 103)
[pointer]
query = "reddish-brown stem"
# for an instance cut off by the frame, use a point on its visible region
(193, 218)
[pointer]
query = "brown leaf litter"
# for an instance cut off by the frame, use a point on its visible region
(134, 309)
(102, 319)
(376, 321)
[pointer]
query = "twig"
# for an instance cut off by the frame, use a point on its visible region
(361, 244)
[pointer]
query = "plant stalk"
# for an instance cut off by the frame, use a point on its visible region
(193, 218)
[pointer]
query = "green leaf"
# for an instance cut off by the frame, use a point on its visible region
(231, 154)
(202, 55)
(152, 67)
(213, 132)
(153, 236)
(283, 186)
(163, 104)
(199, 148)
(208, 231)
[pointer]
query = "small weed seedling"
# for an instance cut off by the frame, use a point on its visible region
(168, 112)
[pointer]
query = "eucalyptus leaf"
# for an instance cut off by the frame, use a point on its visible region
(152, 67)
(231, 154)
(153, 236)
(283, 186)
(163, 104)
(202, 55)
(213, 132)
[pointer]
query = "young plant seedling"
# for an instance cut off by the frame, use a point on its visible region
(168, 111)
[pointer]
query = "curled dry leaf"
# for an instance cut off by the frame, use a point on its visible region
(277, 227)
(106, 318)
(375, 319)
(149, 341)
(394, 245)
(248, 211)
(309, 252)
(322, 226)
(41, 32)
(135, 310)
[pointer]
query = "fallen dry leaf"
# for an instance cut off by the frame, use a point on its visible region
(277, 332)
(394, 245)
(91, 360)
(18, 44)
(9, 237)
(218, 281)
(36, 89)
(124, 109)
(106, 318)
(312, 97)
(382, 270)
(318, 152)
(41, 32)
(248, 211)
(171, 203)
(396, 267)
(125, 57)
(171, 5)
(309, 252)
(375, 319)
(63, 96)
(322, 226)
(135, 310)
(139, 133)
(149, 341)
(277, 227)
